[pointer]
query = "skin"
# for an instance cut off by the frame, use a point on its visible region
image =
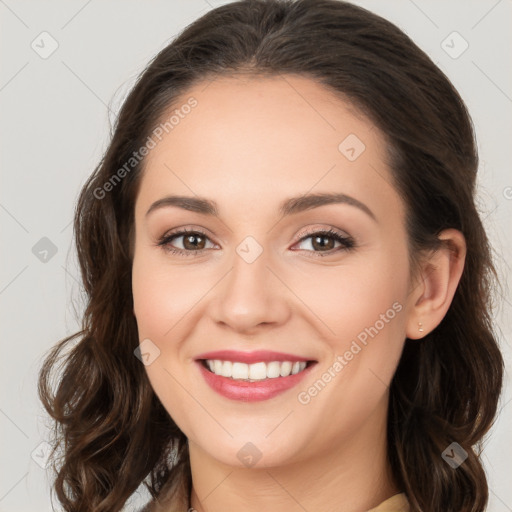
(248, 145)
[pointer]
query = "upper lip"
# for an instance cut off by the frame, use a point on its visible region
(255, 356)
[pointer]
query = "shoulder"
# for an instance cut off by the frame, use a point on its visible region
(397, 503)
(173, 496)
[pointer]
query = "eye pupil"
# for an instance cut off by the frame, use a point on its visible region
(189, 239)
(318, 242)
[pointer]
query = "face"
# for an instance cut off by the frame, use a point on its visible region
(266, 277)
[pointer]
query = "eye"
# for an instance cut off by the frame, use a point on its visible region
(324, 243)
(193, 242)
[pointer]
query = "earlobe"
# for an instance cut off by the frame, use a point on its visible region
(440, 277)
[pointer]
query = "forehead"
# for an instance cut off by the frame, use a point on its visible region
(270, 136)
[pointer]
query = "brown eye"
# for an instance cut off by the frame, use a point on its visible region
(319, 242)
(193, 242)
(325, 242)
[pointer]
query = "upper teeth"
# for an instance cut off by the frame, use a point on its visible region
(255, 371)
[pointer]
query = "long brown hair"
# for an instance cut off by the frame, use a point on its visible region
(112, 431)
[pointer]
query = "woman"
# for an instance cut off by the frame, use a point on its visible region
(288, 280)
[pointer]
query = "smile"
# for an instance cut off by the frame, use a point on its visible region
(256, 371)
(252, 376)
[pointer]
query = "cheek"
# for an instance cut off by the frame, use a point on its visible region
(352, 382)
(350, 300)
(364, 311)
(159, 303)
(161, 295)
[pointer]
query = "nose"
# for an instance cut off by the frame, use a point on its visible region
(250, 296)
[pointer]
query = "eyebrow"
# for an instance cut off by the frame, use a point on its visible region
(288, 207)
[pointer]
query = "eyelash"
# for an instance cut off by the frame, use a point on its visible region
(347, 242)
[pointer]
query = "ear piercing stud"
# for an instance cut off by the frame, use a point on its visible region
(420, 327)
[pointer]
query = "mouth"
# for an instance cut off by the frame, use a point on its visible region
(252, 376)
(254, 372)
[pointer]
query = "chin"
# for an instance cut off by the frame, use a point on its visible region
(252, 450)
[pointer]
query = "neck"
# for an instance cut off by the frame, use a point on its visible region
(352, 476)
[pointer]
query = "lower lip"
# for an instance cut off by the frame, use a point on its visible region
(251, 391)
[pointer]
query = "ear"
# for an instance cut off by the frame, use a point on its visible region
(439, 277)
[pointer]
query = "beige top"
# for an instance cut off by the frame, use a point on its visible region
(397, 503)
(175, 496)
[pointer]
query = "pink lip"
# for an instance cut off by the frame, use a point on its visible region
(251, 391)
(257, 356)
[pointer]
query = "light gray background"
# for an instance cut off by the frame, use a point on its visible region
(55, 124)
